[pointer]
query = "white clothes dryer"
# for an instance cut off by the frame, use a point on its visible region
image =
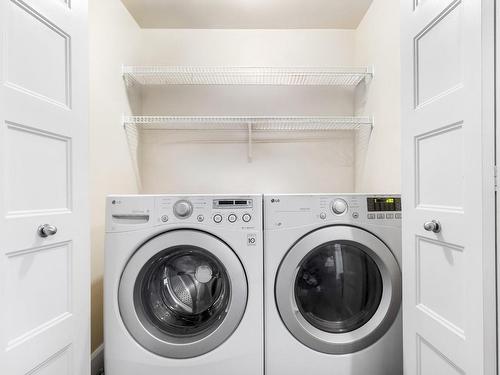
(183, 285)
(332, 284)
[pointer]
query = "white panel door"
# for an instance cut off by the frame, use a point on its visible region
(44, 281)
(448, 176)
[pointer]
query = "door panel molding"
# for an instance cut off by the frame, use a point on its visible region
(45, 282)
(448, 159)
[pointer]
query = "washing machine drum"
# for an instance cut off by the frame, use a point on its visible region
(338, 289)
(182, 294)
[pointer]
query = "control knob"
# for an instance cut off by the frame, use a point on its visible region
(183, 209)
(339, 206)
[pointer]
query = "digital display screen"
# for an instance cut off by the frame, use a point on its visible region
(384, 204)
(232, 203)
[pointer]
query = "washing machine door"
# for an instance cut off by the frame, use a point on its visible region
(338, 289)
(182, 293)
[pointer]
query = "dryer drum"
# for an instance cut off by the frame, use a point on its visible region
(338, 287)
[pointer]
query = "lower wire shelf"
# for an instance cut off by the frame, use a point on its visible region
(252, 126)
(256, 123)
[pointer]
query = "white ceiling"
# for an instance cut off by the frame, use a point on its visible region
(248, 14)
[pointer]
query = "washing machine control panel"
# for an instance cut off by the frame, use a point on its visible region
(134, 212)
(296, 210)
(239, 211)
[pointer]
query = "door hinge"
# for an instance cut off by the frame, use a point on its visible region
(495, 174)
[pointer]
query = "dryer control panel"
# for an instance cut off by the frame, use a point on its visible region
(295, 210)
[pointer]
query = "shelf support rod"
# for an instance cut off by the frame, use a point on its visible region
(250, 153)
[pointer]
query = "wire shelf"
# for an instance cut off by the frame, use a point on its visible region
(198, 75)
(257, 123)
(250, 125)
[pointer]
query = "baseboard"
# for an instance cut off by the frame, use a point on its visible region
(97, 361)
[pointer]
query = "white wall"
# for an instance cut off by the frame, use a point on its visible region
(377, 44)
(187, 162)
(114, 38)
(248, 47)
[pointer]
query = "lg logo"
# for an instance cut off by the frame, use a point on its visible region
(275, 200)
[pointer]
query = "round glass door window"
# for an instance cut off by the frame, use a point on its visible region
(338, 287)
(183, 291)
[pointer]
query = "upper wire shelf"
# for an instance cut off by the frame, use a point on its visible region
(206, 75)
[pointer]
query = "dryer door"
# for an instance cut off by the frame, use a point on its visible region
(182, 293)
(338, 289)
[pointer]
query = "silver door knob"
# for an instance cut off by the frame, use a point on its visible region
(433, 226)
(46, 230)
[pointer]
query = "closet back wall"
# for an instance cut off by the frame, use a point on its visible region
(190, 162)
(177, 162)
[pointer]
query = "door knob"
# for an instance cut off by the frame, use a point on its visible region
(46, 230)
(432, 226)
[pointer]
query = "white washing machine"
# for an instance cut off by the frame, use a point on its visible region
(183, 285)
(332, 284)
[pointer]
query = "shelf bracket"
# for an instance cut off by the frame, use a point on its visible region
(371, 72)
(250, 153)
(132, 134)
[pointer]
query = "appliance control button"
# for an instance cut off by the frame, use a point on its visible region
(355, 215)
(389, 216)
(339, 206)
(164, 218)
(218, 218)
(200, 218)
(398, 216)
(370, 216)
(232, 218)
(322, 216)
(183, 209)
(246, 218)
(380, 216)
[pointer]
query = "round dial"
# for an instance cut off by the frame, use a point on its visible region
(339, 206)
(183, 209)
